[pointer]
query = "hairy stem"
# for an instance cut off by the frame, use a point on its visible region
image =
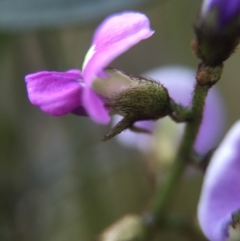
(164, 195)
(179, 113)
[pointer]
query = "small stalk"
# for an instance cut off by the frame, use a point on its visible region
(164, 194)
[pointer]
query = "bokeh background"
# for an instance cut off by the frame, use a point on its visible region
(57, 180)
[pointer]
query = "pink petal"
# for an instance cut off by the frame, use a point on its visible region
(56, 93)
(113, 37)
(94, 105)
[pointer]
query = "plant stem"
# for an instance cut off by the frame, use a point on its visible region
(179, 113)
(164, 195)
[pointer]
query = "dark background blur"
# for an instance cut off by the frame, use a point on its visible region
(57, 180)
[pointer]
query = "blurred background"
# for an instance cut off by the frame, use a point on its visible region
(58, 181)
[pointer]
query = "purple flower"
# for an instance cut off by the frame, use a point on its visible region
(220, 197)
(180, 82)
(58, 93)
(225, 10)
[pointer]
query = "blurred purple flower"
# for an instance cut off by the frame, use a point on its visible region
(58, 93)
(180, 82)
(220, 196)
(225, 10)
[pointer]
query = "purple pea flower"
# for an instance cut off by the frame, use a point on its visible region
(220, 197)
(226, 10)
(217, 31)
(59, 93)
(56, 93)
(180, 82)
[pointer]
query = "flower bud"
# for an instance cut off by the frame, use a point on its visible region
(140, 99)
(179, 81)
(145, 100)
(217, 31)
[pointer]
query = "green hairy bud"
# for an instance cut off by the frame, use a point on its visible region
(141, 99)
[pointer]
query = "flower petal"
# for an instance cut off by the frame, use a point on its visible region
(220, 195)
(93, 99)
(56, 93)
(114, 82)
(114, 36)
(227, 10)
(94, 105)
